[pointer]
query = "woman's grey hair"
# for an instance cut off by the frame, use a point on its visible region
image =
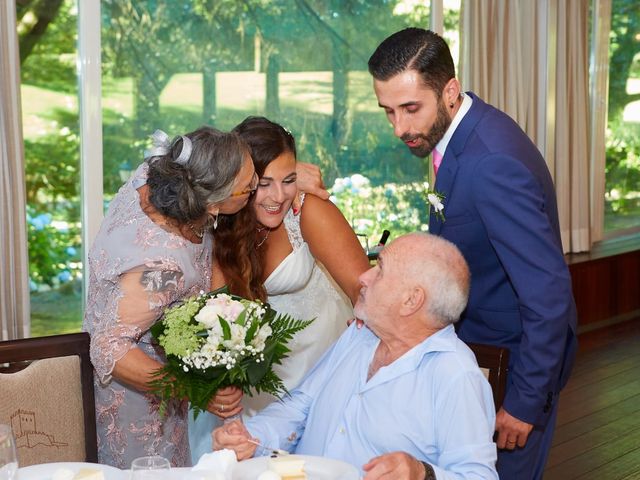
(442, 271)
(184, 191)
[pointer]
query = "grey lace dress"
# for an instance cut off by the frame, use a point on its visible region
(136, 270)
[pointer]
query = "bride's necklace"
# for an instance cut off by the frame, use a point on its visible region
(264, 239)
(196, 232)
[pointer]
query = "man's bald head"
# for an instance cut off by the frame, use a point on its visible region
(437, 266)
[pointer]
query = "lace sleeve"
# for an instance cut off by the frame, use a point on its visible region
(131, 308)
(292, 225)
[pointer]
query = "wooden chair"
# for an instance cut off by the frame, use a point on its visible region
(46, 395)
(494, 363)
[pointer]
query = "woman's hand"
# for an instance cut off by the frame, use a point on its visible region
(309, 180)
(226, 402)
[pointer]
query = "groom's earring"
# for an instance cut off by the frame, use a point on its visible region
(451, 105)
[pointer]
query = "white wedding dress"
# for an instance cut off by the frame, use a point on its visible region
(301, 287)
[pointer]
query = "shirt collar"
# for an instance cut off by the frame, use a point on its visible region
(442, 341)
(457, 118)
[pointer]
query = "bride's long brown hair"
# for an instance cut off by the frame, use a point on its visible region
(235, 248)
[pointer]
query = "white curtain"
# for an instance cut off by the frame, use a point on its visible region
(572, 124)
(14, 269)
(505, 47)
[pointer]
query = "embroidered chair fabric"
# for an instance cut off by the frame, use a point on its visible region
(46, 395)
(494, 362)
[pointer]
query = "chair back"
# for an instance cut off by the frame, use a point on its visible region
(494, 363)
(46, 395)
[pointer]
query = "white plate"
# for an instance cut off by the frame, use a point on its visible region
(317, 468)
(45, 471)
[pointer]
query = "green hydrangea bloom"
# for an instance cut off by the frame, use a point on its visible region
(180, 335)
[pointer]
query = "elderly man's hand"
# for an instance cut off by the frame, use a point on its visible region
(396, 466)
(234, 436)
(226, 402)
(309, 180)
(511, 431)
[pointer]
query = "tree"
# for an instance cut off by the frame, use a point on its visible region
(34, 16)
(47, 42)
(623, 147)
(624, 48)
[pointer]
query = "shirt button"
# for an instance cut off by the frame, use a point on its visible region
(342, 430)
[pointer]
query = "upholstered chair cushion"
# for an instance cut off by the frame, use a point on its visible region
(43, 405)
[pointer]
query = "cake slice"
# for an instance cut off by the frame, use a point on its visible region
(89, 474)
(289, 467)
(63, 474)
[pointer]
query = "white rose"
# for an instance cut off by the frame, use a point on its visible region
(435, 201)
(258, 341)
(208, 316)
(211, 345)
(238, 332)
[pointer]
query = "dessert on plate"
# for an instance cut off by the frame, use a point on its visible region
(287, 467)
(89, 474)
(82, 474)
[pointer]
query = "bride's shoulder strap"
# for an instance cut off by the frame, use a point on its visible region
(292, 225)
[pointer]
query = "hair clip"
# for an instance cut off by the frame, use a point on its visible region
(185, 153)
(161, 145)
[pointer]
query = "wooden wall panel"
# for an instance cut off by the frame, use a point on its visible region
(606, 288)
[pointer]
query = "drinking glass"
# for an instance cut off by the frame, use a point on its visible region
(147, 468)
(8, 456)
(364, 241)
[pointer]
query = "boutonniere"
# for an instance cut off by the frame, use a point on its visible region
(436, 204)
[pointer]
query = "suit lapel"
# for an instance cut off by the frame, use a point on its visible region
(450, 164)
(444, 182)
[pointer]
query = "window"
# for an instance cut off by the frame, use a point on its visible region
(47, 34)
(177, 65)
(622, 191)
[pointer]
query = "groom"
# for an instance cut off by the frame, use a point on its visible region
(402, 398)
(500, 210)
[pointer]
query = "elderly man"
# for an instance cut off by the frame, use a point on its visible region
(403, 398)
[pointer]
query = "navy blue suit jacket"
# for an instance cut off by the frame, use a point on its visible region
(500, 210)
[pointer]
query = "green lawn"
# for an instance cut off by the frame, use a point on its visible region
(56, 311)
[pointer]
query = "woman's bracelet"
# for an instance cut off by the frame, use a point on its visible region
(429, 474)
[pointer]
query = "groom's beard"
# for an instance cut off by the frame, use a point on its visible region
(431, 139)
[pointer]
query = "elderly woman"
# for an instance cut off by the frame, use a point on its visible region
(153, 248)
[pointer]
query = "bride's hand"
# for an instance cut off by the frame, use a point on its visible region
(226, 402)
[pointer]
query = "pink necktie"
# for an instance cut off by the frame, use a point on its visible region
(436, 156)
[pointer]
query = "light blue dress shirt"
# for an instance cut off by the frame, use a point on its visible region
(433, 403)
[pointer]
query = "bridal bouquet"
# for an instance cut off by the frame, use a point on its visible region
(215, 340)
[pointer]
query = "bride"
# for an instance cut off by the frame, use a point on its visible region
(306, 265)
